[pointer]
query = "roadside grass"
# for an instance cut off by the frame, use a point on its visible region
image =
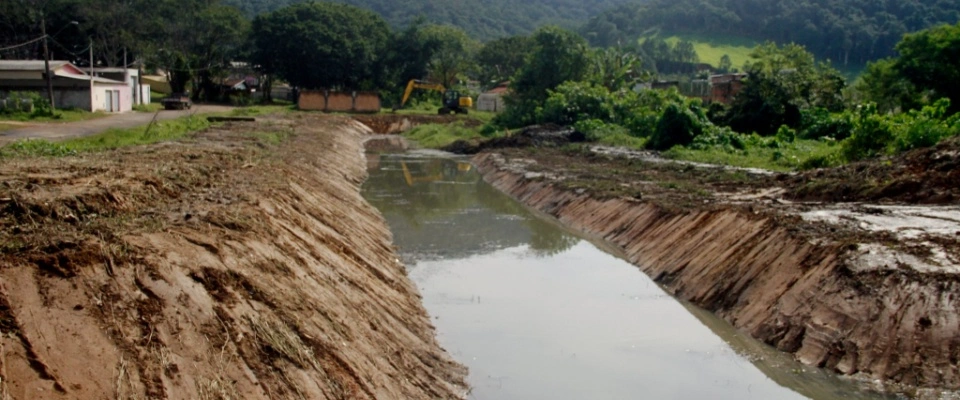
(148, 108)
(7, 127)
(140, 135)
(63, 115)
(107, 140)
(789, 157)
(253, 111)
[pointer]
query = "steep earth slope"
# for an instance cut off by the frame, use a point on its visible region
(229, 265)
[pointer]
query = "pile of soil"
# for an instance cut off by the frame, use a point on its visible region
(222, 266)
(929, 176)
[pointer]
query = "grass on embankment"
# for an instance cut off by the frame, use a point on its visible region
(788, 157)
(435, 136)
(158, 131)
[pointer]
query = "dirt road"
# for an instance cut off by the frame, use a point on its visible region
(222, 266)
(61, 131)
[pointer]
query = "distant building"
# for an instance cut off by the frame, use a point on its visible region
(72, 87)
(139, 94)
(724, 87)
(492, 100)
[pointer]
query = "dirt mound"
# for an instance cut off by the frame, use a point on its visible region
(222, 266)
(398, 123)
(929, 175)
(548, 135)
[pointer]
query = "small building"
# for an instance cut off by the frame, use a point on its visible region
(72, 87)
(492, 100)
(336, 101)
(724, 87)
(140, 94)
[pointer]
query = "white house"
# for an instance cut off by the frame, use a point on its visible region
(492, 100)
(72, 87)
(139, 94)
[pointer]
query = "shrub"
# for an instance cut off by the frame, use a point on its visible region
(575, 101)
(871, 135)
(677, 126)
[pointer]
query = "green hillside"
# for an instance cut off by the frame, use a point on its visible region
(711, 48)
(482, 19)
(848, 32)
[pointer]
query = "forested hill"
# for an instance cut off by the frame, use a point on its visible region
(482, 19)
(844, 31)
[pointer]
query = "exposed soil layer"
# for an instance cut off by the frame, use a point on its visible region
(398, 123)
(861, 290)
(226, 265)
(929, 175)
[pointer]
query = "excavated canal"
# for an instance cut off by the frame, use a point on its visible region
(538, 312)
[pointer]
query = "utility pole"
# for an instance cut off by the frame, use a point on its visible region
(91, 76)
(46, 62)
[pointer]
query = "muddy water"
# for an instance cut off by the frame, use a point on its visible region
(536, 312)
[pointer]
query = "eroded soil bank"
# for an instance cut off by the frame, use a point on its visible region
(232, 264)
(862, 290)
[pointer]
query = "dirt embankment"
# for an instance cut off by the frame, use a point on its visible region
(880, 303)
(399, 123)
(223, 266)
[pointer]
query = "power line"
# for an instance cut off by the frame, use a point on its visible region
(22, 44)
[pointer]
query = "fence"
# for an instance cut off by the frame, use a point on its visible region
(16, 104)
(333, 101)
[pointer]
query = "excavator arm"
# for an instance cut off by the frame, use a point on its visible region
(418, 84)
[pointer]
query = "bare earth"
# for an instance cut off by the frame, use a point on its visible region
(61, 131)
(222, 266)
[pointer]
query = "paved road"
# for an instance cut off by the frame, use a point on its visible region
(61, 131)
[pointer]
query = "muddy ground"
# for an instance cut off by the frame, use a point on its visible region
(238, 263)
(850, 269)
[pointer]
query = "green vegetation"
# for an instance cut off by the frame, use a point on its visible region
(792, 112)
(110, 139)
(850, 32)
(712, 48)
(439, 135)
(39, 110)
(148, 108)
(481, 19)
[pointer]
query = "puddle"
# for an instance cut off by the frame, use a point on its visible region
(536, 312)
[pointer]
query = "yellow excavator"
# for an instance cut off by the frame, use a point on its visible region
(453, 102)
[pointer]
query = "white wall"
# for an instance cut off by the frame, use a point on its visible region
(490, 102)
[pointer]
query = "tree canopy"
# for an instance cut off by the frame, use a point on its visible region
(481, 19)
(850, 31)
(323, 45)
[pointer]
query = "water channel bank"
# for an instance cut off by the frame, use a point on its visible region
(239, 262)
(536, 311)
(823, 292)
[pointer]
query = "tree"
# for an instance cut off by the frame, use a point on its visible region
(781, 83)
(558, 56)
(323, 45)
(725, 64)
(498, 60)
(452, 54)
(882, 84)
(615, 69)
(928, 59)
